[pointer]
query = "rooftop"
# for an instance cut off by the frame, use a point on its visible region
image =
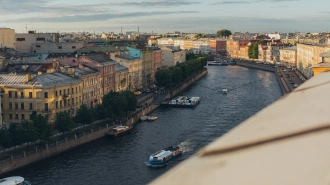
(120, 68)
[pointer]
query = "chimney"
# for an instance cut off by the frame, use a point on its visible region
(27, 77)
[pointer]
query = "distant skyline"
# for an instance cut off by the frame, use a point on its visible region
(161, 16)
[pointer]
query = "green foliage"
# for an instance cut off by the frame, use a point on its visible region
(31, 133)
(200, 35)
(131, 100)
(223, 33)
(16, 133)
(64, 122)
(84, 115)
(176, 74)
(43, 128)
(253, 50)
(190, 56)
(5, 138)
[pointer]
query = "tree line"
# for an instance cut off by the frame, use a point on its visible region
(114, 106)
(176, 74)
(253, 50)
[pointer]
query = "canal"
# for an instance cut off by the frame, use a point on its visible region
(121, 160)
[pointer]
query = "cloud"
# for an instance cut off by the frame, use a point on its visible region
(248, 2)
(97, 17)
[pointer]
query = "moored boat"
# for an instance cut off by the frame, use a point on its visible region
(162, 157)
(15, 180)
(224, 91)
(152, 118)
(119, 130)
(183, 101)
(144, 118)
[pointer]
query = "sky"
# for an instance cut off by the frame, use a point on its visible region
(163, 16)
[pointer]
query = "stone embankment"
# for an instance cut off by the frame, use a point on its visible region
(49, 150)
(256, 66)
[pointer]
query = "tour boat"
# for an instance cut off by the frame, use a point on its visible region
(224, 91)
(15, 180)
(119, 130)
(161, 157)
(152, 118)
(144, 118)
(218, 63)
(183, 101)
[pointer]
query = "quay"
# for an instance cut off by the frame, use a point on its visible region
(35, 154)
(286, 77)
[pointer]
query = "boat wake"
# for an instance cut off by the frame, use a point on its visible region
(186, 146)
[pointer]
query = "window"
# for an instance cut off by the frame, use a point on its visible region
(64, 91)
(20, 39)
(22, 105)
(73, 47)
(76, 89)
(60, 103)
(68, 91)
(23, 116)
(16, 105)
(46, 107)
(30, 94)
(16, 94)
(10, 105)
(38, 46)
(22, 94)
(64, 103)
(72, 91)
(46, 94)
(16, 116)
(56, 104)
(55, 93)
(41, 39)
(9, 94)
(10, 116)
(31, 106)
(60, 47)
(60, 92)
(72, 101)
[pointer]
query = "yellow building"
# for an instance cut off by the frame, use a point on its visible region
(46, 94)
(232, 46)
(324, 66)
(288, 56)
(308, 55)
(121, 78)
(188, 44)
(147, 56)
(7, 38)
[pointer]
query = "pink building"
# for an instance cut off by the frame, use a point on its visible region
(156, 61)
(221, 45)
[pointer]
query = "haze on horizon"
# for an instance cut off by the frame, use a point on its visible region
(160, 16)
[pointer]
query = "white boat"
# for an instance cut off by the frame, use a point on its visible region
(224, 91)
(152, 118)
(15, 180)
(162, 157)
(119, 130)
(144, 118)
(183, 101)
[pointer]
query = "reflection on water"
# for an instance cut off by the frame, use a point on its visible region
(121, 160)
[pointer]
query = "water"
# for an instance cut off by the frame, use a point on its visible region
(121, 160)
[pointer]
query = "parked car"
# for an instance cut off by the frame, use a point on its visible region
(295, 85)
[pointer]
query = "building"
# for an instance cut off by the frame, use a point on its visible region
(288, 56)
(46, 94)
(24, 41)
(270, 52)
(324, 66)
(134, 66)
(221, 47)
(157, 58)
(165, 41)
(172, 56)
(147, 60)
(179, 43)
(122, 76)
(188, 45)
(308, 55)
(213, 46)
(7, 38)
(232, 46)
(59, 47)
(244, 48)
(201, 46)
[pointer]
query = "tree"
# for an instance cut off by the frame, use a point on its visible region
(101, 111)
(31, 133)
(5, 138)
(64, 122)
(16, 133)
(131, 101)
(84, 115)
(43, 128)
(223, 33)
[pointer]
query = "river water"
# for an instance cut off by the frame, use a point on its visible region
(121, 160)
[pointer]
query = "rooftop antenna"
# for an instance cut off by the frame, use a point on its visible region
(121, 30)
(138, 29)
(26, 28)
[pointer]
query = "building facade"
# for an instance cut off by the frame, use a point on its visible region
(7, 38)
(157, 58)
(24, 41)
(288, 56)
(121, 78)
(172, 56)
(221, 46)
